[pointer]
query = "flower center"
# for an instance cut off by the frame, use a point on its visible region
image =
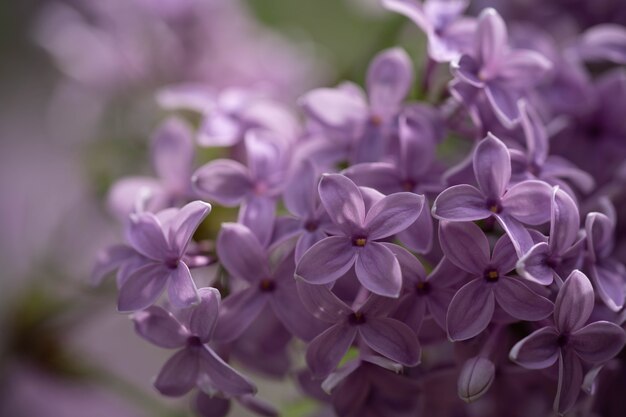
(172, 263)
(494, 206)
(408, 185)
(422, 288)
(311, 225)
(194, 341)
(562, 340)
(359, 241)
(492, 275)
(356, 319)
(376, 120)
(267, 285)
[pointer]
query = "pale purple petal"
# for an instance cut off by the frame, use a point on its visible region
(564, 222)
(412, 9)
(535, 133)
(419, 236)
(145, 234)
(492, 166)
(520, 301)
(491, 39)
(470, 310)
(110, 259)
(382, 176)
(529, 202)
(504, 256)
(533, 265)
(392, 339)
(322, 303)
(570, 381)
(181, 288)
(608, 279)
(389, 79)
(223, 377)
(237, 312)
(378, 270)
(466, 69)
(465, 245)
(185, 223)
(300, 193)
(223, 180)
(326, 350)
(393, 214)
(503, 101)
(306, 241)
(600, 230)
(173, 153)
(160, 327)
(538, 350)
(524, 68)
(343, 201)
(327, 260)
(258, 214)
(604, 41)
(204, 317)
(598, 342)
(520, 236)
(126, 194)
(574, 303)
(461, 203)
(142, 287)
(241, 253)
(179, 374)
(558, 167)
(334, 108)
(265, 152)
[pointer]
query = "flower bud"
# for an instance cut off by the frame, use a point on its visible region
(475, 378)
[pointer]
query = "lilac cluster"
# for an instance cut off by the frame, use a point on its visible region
(408, 246)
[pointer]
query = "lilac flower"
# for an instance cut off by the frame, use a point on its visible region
(569, 341)
(215, 406)
(603, 42)
(255, 187)
(370, 322)
(413, 170)
(162, 241)
(503, 74)
(172, 154)
(245, 259)
(355, 128)
(562, 253)
(472, 307)
(525, 202)
(606, 273)
(536, 163)
(355, 239)
(449, 34)
(195, 364)
(309, 218)
(475, 379)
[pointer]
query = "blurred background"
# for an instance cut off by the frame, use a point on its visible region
(78, 80)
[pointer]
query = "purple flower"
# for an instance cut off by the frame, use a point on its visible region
(215, 406)
(562, 253)
(606, 273)
(255, 187)
(503, 74)
(355, 239)
(603, 42)
(162, 241)
(526, 202)
(569, 341)
(243, 256)
(370, 322)
(195, 364)
(472, 307)
(172, 154)
(449, 34)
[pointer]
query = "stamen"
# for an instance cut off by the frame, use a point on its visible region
(492, 275)
(422, 287)
(359, 241)
(356, 318)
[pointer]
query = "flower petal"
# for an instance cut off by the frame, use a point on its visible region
(241, 253)
(570, 382)
(185, 223)
(523, 69)
(326, 350)
(145, 234)
(173, 153)
(410, 8)
(492, 167)
(389, 79)
(519, 235)
(564, 221)
(181, 288)
(392, 339)
(503, 102)
(465, 245)
(533, 267)
(160, 327)
(142, 287)
(381, 176)
(529, 202)
(393, 214)
(470, 310)
(538, 350)
(334, 108)
(461, 203)
(378, 270)
(608, 279)
(258, 214)
(598, 342)
(300, 192)
(520, 301)
(237, 312)
(222, 180)
(327, 260)
(419, 236)
(491, 38)
(204, 317)
(179, 374)
(574, 303)
(537, 144)
(322, 303)
(223, 377)
(110, 259)
(475, 378)
(343, 201)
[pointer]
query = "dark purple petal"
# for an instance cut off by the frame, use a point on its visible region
(475, 378)
(574, 303)
(604, 41)
(142, 287)
(466, 69)
(258, 406)
(600, 230)
(241, 253)
(608, 279)
(598, 342)
(343, 201)
(378, 270)
(503, 101)
(570, 381)
(519, 235)
(392, 339)
(492, 166)
(529, 202)
(520, 301)
(389, 79)
(470, 310)
(145, 234)
(237, 312)
(223, 377)
(179, 374)
(465, 245)
(393, 214)
(533, 265)
(306, 241)
(160, 327)
(461, 203)
(290, 311)
(223, 180)
(322, 303)
(504, 256)
(419, 236)
(558, 167)
(207, 406)
(326, 350)
(185, 223)
(181, 288)
(564, 222)
(327, 260)
(204, 317)
(173, 153)
(538, 350)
